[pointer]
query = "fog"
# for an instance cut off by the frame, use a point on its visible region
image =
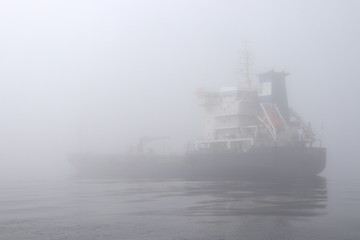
(96, 76)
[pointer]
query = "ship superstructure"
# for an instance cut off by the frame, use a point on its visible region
(239, 118)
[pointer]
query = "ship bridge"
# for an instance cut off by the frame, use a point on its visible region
(239, 117)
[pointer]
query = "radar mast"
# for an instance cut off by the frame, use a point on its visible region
(245, 72)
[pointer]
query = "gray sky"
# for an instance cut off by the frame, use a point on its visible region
(118, 70)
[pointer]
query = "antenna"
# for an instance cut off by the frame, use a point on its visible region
(322, 134)
(246, 62)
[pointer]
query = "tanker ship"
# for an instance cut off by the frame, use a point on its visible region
(248, 131)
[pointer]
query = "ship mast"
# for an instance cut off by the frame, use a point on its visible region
(245, 79)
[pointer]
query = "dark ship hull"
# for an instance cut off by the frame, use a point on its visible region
(257, 162)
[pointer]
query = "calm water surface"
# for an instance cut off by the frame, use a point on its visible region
(178, 209)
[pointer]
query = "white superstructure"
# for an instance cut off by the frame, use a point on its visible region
(240, 117)
(230, 118)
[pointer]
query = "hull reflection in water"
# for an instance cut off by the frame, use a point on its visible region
(280, 197)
